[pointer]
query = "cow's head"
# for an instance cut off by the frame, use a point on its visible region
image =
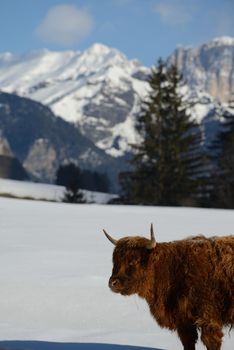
(130, 261)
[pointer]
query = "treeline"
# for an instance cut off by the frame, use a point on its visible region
(75, 179)
(87, 179)
(169, 165)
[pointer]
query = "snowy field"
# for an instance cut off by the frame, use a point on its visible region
(55, 265)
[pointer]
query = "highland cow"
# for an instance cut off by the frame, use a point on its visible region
(188, 284)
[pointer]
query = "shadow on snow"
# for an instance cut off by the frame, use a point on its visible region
(41, 345)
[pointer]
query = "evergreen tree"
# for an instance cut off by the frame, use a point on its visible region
(166, 161)
(69, 176)
(73, 193)
(87, 179)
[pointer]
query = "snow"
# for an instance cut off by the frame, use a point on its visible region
(70, 81)
(128, 137)
(48, 192)
(55, 265)
(215, 42)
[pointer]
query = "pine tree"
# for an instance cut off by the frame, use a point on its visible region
(166, 161)
(69, 176)
(88, 179)
(73, 193)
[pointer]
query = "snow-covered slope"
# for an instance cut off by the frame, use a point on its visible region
(55, 265)
(47, 192)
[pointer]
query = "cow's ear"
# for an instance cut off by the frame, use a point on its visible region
(112, 240)
(152, 241)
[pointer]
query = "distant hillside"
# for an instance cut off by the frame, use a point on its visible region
(42, 141)
(11, 168)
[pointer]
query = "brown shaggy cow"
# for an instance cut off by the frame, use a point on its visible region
(188, 284)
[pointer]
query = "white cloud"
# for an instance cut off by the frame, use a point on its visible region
(173, 12)
(65, 25)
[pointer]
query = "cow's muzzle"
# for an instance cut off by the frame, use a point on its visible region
(115, 284)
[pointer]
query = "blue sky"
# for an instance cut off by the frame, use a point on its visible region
(142, 29)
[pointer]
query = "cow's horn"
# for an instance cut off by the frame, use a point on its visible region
(152, 243)
(114, 241)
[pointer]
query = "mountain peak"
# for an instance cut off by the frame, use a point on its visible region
(103, 53)
(208, 67)
(222, 41)
(98, 48)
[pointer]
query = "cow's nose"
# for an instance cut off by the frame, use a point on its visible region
(113, 282)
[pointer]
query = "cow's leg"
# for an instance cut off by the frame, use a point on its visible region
(211, 336)
(188, 336)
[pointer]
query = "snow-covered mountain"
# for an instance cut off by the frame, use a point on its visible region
(98, 89)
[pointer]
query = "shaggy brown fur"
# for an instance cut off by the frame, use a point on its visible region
(188, 284)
